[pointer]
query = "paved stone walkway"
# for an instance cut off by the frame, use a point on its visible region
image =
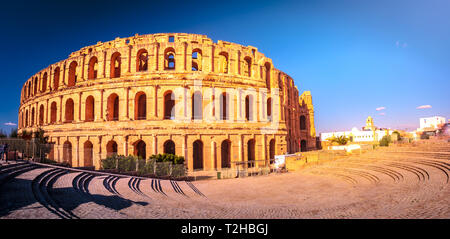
(401, 182)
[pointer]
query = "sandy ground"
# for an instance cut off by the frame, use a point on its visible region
(397, 182)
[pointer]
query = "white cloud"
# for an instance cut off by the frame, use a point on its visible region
(382, 113)
(10, 124)
(380, 108)
(423, 107)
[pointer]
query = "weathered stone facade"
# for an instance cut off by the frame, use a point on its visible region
(213, 103)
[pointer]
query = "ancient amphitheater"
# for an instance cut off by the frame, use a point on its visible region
(411, 181)
(213, 103)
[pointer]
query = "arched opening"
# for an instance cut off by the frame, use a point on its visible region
(53, 112)
(72, 74)
(69, 112)
(302, 122)
(226, 154)
(169, 147)
(32, 117)
(112, 113)
(35, 85)
(267, 74)
(269, 109)
(142, 60)
(196, 60)
(111, 148)
(169, 59)
(224, 106)
(248, 66)
(88, 154)
(140, 105)
(139, 149)
(198, 154)
(169, 105)
(56, 79)
(249, 107)
(89, 111)
(44, 82)
(197, 106)
(26, 118)
(303, 146)
(41, 115)
(67, 153)
(93, 68)
(272, 150)
(29, 88)
(115, 65)
(223, 62)
(251, 153)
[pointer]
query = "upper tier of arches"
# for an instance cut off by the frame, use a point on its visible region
(138, 56)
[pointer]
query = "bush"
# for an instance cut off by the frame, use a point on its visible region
(385, 141)
(175, 159)
(159, 164)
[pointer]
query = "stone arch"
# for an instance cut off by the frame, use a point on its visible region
(26, 118)
(303, 147)
(272, 150)
(140, 106)
(32, 116)
(197, 154)
(139, 149)
(251, 153)
(302, 122)
(41, 115)
(111, 148)
(223, 62)
(197, 59)
(169, 105)
(267, 68)
(89, 112)
(72, 74)
(225, 150)
(93, 68)
(249, 107)
(67, 152)
(169, 147)
(115, 65)
(197, 106)
(224, 106)
(36, 84)
(88, 153)
(53, 112)
(44, 82)
(56, 78)
(142, 60)
(169, 59)
(113, 107)
(269, 109)
(69, 111)
(247, 66)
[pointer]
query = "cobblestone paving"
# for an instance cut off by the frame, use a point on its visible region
(400, 182)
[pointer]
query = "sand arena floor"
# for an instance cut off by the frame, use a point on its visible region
(396, 182)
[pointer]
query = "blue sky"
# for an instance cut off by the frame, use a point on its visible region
(354, 56)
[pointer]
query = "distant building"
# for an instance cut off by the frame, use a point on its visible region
(370, 133)
(431, 123)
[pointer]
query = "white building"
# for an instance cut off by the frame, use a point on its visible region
(358, 135)
(431, 123)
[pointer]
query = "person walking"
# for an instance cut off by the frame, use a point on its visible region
(5, 151)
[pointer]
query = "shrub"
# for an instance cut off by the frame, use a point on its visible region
(175, 159)
(385, 141)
